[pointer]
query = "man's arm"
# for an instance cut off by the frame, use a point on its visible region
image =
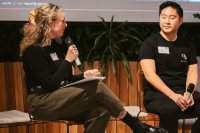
(149, 69)
(192, 75)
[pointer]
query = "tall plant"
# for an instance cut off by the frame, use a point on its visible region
(113, 43)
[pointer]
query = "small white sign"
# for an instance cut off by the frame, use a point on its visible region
(163, 50)
(54, 56)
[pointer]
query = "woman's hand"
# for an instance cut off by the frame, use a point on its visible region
(92, 73)
(72, 53)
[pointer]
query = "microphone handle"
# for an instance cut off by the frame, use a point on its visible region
(69, 42)
(78, 63)
(187, 95)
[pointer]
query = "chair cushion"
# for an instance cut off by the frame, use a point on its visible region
(188, 122)
(134, 110)
(13, 116)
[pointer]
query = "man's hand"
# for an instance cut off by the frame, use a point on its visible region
(190, 102)
(180, 101)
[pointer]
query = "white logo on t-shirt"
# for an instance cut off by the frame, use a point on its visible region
(184, 58)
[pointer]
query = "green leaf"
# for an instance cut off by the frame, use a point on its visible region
(196, 15)
(104, 23)
(121, 25)
(98, 38)
(113, 65)
(135, 38)
(126, 65)
(111, 25)
(104, 53)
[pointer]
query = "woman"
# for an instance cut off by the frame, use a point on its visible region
(47, 70)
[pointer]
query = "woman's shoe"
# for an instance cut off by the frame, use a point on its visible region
(152, 129)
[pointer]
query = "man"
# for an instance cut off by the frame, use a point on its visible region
(169, 64)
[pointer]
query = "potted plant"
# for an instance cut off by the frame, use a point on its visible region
(115, 41)
(196, 15)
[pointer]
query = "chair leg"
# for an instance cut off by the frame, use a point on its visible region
(28, 128)
(67, 124)
(183, 126)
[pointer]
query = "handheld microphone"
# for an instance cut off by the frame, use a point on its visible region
(189, 91)
(69, 42)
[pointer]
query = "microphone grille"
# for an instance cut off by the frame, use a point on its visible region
(190, 87)
(68, 40)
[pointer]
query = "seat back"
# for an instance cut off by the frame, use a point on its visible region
(140, 91)
(140, 97)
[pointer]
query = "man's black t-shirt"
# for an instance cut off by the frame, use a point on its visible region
(171, 59)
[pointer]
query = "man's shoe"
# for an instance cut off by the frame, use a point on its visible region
(152, 129)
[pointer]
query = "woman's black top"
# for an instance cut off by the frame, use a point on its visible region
(46, 67)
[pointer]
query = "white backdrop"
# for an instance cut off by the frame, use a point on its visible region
(89, 10)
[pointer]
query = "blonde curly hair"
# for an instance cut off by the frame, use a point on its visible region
(38, 30)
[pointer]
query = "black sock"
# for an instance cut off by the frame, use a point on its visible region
(133, 123)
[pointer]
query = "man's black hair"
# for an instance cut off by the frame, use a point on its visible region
(172, 4)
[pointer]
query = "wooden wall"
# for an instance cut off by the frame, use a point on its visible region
(13, 96)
